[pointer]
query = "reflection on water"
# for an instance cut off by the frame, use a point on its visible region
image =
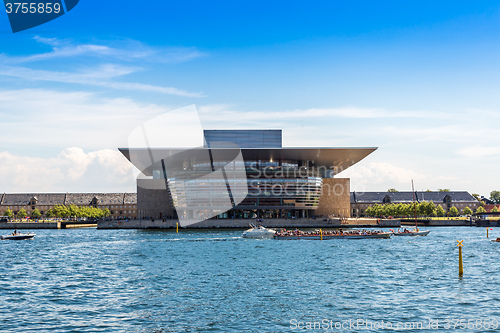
(89, 280)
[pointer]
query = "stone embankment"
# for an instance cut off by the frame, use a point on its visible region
(244, 223)
(47, 225)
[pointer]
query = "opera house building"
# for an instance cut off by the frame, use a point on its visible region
(242, 174)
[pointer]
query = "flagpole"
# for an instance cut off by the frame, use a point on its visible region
(414, 205)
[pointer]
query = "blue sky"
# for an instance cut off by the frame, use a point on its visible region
(418, 80)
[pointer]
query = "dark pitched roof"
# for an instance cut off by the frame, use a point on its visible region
(407, 197)
(47, 199)
(102, 198)
(487, 201)
(25, 198)
(130, 198)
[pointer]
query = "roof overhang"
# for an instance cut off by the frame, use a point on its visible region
(332, 158)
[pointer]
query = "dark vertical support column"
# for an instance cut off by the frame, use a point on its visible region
(167, 189)
(225, 177)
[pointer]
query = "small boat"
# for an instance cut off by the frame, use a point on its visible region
(258, 232)
(412, 233)
(18, 236)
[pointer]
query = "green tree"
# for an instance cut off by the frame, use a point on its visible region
(419, 207)
(467, 211)
(495, 196)
(77, 211)
(428, 190)
(481, 203)
(444, 190)
(480, 210)
(73, 211)
(392, 190)
(36, 214)
(431, 208)
(22, 213)
(390, 209)
(59, 211)
(427, 208)
(495, 209)
(377, 210)
(476, 196)
(400, 209)
(440, 211)
(453, 211)
(9, 213)
(409, 210)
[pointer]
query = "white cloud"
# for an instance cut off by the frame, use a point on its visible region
(223, 112)
(479, 151)
(378, 175)
(36, 119)
(124, 50)
(72, 170)
(99, 75)
(95, 77)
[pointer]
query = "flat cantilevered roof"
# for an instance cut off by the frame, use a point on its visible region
(339, 158)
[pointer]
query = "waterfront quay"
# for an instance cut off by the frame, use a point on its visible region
(244, 223)
(48, 225)
(441, 222)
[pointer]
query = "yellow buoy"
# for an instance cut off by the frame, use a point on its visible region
(321, 234)
(177, 227)
(460, 264)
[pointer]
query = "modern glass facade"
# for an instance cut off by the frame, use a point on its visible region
(238, 174)
(243, 138)
(271, 188)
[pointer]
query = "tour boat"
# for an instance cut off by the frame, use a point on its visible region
(258, 232)
(18, 236)
(344, 235)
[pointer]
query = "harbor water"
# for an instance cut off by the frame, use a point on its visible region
(88, 280)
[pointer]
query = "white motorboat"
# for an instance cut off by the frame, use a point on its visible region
(18, 236)
(258, 232)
